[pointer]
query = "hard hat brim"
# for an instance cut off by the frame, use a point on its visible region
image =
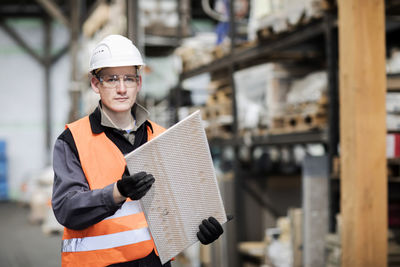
(121, 63)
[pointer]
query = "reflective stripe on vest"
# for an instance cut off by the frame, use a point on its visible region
(122, 237)
(105, 241)
(130, 207)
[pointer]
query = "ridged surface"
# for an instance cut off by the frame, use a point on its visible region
(185, 191)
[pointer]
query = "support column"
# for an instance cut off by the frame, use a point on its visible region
(75, 91)
(132, 7)
(363, 133)
(135, 31)
(47, 88)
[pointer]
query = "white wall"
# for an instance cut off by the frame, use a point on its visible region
(22, 118)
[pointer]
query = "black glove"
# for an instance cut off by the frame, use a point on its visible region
(210, 230)
(135, 186)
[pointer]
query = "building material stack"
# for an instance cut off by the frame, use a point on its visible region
(260, 91)
(304, 108)
(393, 94)
(161, 18)
(271, 17)
(196, 51)
(393, 111)
(217, 111)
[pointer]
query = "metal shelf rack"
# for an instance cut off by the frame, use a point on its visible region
(320, 32)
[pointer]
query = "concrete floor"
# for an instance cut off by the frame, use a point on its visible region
(23, 244)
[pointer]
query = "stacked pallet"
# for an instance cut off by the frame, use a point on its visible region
(217, 111)
(301, 117)
(305, 106)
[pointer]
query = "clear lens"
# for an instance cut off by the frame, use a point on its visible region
(112, 81)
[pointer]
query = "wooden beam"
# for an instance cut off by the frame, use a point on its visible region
(14, 35)
(362, 88)
(54, 11)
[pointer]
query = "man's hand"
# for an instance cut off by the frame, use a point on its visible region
(210, 230)
(135, 186)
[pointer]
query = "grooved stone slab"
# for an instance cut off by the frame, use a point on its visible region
(185, 191)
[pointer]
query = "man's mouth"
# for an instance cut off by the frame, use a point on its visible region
(121, 98)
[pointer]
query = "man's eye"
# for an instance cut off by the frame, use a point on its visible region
(130, 79)
(110, 79)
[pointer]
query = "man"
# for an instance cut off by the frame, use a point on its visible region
(94, 196)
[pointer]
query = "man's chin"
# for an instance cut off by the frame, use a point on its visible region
(121, 108)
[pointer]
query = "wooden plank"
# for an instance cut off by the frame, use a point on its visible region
(363, 133)
(296, 228)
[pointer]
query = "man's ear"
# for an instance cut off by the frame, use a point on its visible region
(94, 82)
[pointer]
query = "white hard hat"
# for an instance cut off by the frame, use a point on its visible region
(115, 51)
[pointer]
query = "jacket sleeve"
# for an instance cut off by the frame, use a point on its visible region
(74, 205)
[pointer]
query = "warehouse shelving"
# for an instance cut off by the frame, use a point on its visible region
(247, 57)
(240, 58)
(316, 33)
(317, 136)
(321, 33)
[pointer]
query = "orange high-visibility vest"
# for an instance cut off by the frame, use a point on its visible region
(122, 237)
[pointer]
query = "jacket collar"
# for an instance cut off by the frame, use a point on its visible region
(95, 120)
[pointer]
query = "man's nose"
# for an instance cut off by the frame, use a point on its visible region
(121, 87)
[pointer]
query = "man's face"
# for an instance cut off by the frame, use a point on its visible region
(122, 97)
